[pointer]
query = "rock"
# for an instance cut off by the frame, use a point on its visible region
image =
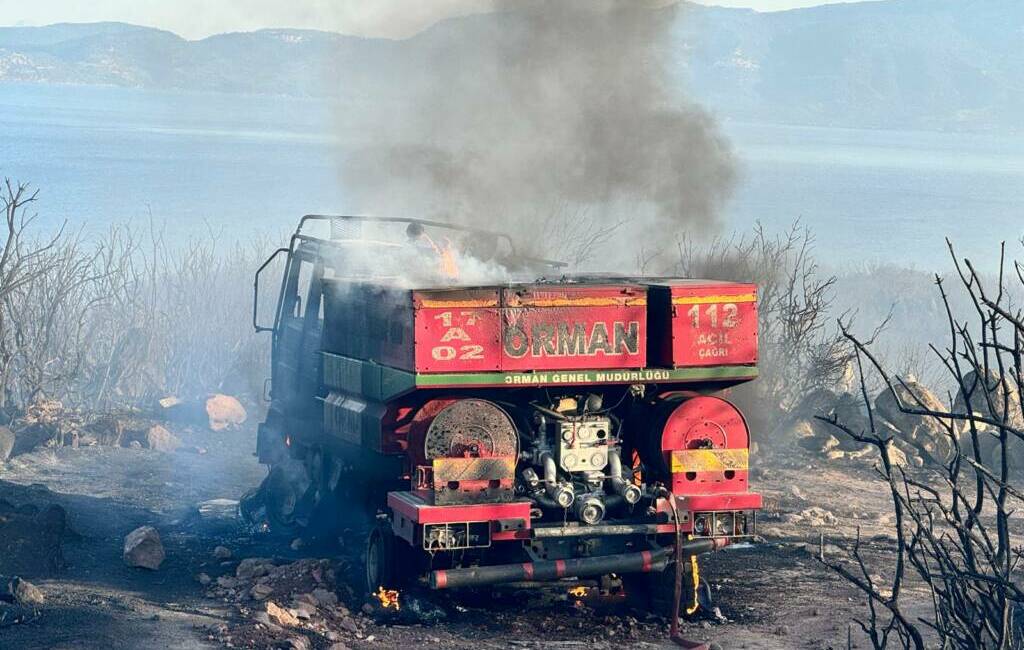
(253, 567)
(160, 439)
(281, 616)
(261, 591)
(306, 599)
(297, 544)
(817, 517)
(926, 434)
(224, 412)
(975, 401)
(204, 579)
(324, 598)
(772, 532)
(819, 443)
(218, 509)
(7, 440)
(303, 612)
(338, 646)
(135, 444)
(29, 436)
(298, 643)
(349, 625)
(25, 593)
(896, 457)
(222, 553)
(143, 548)
(169, 402)
(227, 582)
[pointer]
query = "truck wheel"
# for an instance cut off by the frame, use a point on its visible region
(389, 562)
(654, 592)
(380, 559)
(286, 493)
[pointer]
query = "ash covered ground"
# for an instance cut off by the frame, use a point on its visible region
(224, 585)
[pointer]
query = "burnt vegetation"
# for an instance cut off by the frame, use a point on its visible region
(955, 521)
(121, 318)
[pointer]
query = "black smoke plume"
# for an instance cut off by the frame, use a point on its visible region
(550, 120)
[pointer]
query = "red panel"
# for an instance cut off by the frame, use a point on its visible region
(416, 509)
(574, 327)
(571, 338)
(712, 502)
(531, 328)
(714, 324)
(458, 331)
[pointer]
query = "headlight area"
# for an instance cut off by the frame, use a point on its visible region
(735, 523)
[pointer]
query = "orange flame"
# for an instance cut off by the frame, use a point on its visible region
(447, 263)
(388, 598)
(578, 591)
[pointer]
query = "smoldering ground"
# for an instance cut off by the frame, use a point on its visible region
(556, 122)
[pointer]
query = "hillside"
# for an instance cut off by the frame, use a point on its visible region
(896, 63)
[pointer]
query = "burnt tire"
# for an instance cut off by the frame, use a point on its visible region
(286, 496)
(655, 592)
(379, 566)
(389, 561)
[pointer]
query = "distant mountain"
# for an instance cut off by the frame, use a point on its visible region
(944, 64)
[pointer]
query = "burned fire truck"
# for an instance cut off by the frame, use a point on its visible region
(525, 429)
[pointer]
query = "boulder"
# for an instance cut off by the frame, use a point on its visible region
(974, 400)
(325, 598)
(222, 553)
(298, 643)
(31, 434)
(224, 412)
(281, 616)
(7, 440)
(160, 439)
(25, 593)
(143, 548)
(897, 458)
(253, 567)
(261, 591)
(925, 434)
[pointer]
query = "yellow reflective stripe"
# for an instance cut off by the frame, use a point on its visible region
(448, 304)
(582, 302)
(709, 460)
(704, 300)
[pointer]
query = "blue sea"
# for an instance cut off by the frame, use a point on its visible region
(235, 164)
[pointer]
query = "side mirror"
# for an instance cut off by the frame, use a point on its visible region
(256, 292)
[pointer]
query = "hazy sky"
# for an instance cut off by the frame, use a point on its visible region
(199, 18)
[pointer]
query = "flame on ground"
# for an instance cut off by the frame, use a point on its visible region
(578, 591)
(388, 598)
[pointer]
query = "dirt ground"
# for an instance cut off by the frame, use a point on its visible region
(772, 594)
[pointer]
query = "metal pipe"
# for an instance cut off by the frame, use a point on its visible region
(600, 530)
(617, 481)
(642, 562)
(561, 493)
